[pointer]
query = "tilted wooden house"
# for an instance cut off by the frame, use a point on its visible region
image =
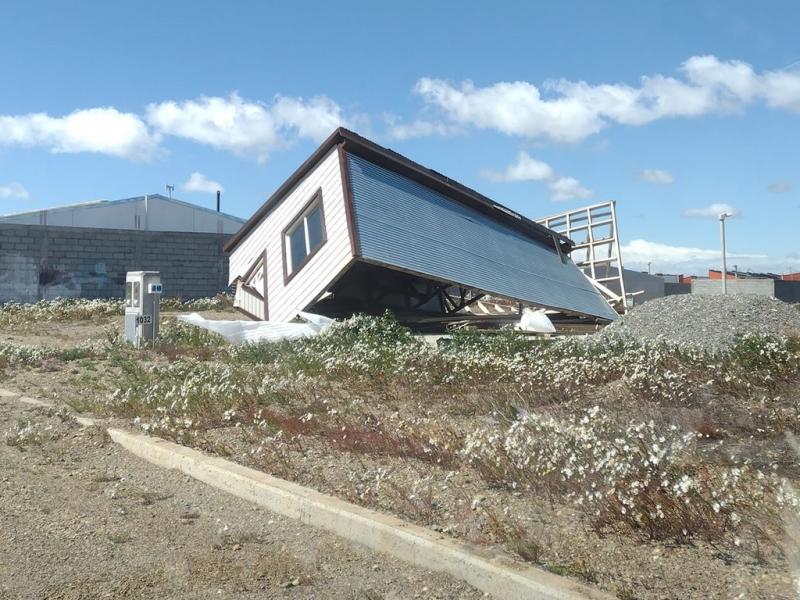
(360, 228)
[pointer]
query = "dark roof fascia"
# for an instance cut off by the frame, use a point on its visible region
(398, 163)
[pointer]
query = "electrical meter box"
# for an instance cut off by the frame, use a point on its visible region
(142, 304)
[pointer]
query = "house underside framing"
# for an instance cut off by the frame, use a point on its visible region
(420, 302)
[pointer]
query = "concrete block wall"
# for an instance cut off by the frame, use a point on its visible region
(788, 291)
(757, 287)
(41, 262)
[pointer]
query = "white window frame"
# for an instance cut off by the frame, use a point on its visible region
(301, 220)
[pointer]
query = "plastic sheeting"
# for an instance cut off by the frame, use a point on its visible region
(535, 320)
(242, 332)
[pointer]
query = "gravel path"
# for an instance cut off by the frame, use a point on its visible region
(710, 322)
(80, 518)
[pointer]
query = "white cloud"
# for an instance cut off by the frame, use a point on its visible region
(568, 188)
(780, 187)
(101, 130)
(712, 211)
(198, 182)
(526, 168)
(314, 119)
(418, 128)
(14, 190)
(231, 123)
(570, 111)
(682, 259)
(246, 128)
(512, 108)
(656, 176)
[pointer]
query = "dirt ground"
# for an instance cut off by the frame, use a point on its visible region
(80, 518)
(455, 502)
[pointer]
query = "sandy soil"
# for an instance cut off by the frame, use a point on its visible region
(80, 518)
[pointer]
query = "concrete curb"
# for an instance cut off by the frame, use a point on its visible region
(489, 572)
(84, 421)
(500, 577)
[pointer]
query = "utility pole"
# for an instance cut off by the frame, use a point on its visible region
(722, 218)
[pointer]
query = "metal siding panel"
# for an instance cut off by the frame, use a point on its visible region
(410, 226)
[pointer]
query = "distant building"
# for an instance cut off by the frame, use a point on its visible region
(152, 212)
(774, 287)
(669, 278)
(84, 250)
(716, 274)
(640, 286)
(675, 278)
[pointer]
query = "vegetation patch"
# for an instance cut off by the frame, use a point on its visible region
(568, 453)
(84, 309)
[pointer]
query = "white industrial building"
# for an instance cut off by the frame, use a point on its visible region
(152, 212)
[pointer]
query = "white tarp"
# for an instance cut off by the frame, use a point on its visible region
(241, 332)
(535, 320)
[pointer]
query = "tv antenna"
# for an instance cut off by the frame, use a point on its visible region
(170, 189)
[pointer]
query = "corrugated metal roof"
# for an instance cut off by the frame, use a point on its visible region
(96, 203)
(404, 224)
(356, 144)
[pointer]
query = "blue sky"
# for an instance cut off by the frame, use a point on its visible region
(672, 108)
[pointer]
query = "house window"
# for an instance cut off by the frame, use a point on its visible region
(304, 236)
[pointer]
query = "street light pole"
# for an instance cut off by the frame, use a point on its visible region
(722, 218)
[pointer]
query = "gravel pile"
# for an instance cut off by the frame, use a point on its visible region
(710, 322)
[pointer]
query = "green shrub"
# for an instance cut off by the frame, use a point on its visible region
(766, 354)
(179, 333)
(363, 345)
(218, 302)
